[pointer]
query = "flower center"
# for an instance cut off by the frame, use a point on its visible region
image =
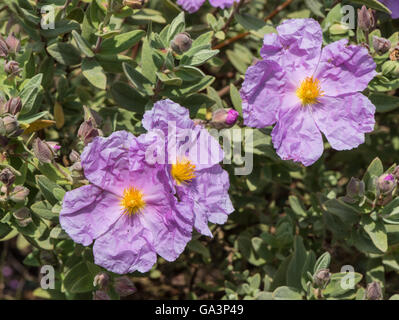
(183, 171)
(309, 91)
(132, 201)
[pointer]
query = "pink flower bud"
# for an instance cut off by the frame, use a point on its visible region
(7, 177)
(13, 43)
(43, 151)
(124, 286)
(13, 106)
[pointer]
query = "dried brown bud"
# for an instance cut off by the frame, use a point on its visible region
(100, 295)
(3, 48)
(394, 55)
(124, 286)
(19, 194)
(87, 131)
(74, 156)
(12, 67)
(10, 126)
(90, 114)
(322, 277)
(101, 280)
(381, 45)
(374, 291)
(7, 177)
(23, 216)
(181, 43)
(134, 4)
(366, 19)
(13, 106)
(13, 43)
(43, 151)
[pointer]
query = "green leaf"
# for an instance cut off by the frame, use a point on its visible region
(94, 73)
(334, 287)
(196, 58)
(316, 7)
(5, 229)
(121, 42)
(347, 214)
(297, 206)
(44, 210)
(80, 278)
(287, 293)
(374, 4)
(64, 53)
(177, 26)
(295, 267)
(29, 93)
(198, 247)
(61, 27)
(376, 231)
(390, 212)
(384, 102)
(83, 46)
(127, 97)
(323, 262)
(236, 98)
(47, 187)
(189, 73)
(148, 66)
(140, 82)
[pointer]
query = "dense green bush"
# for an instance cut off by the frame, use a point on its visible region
(296, 231)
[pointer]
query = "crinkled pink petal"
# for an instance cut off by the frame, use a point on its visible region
(296, 48)
(213, 186)
(88, 212)
(262, 93)
(393, 5)
(190, 6)
(344, 120)
(165, 112)
(344, 69)
(105, 161)
(126, 247)
(296, 136)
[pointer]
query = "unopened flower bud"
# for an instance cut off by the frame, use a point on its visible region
(12, 67)
(13, 43)
(43, 151)
(322, 277)
(381, 45)
(134, 4)
(23, 217)
(7, 177)
(395, 173)
(87, 132)
(100, 295)
(101, 280)
(13, 106)
(394, 55)
(224, 118)
(355, 188)
(77, 166)
(19, 194)
(199, 122)
(365, 19)
(47, 257)
(3, 48)
(181, 43)
(90, 114)
(374, 291)
(124, 286)
(386, 183)
(11, 126)
(74, 156)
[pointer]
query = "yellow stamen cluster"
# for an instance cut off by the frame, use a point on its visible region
(183, 171)
(309, 91)
(132, 201)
